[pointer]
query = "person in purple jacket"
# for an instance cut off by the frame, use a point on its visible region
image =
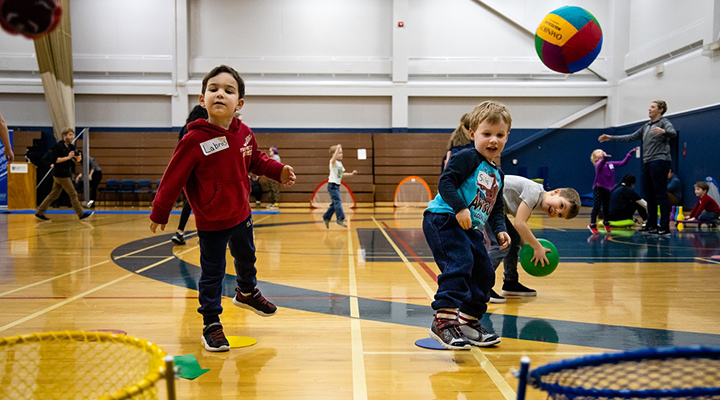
(603, 184)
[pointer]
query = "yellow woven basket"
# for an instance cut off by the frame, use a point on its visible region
(79, 365)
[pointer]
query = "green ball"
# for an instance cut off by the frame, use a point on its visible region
(526, 255)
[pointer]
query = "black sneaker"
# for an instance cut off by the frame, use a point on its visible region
(517, 289)
(662, 232)
(255, 302)
(86, 214)
(178, 238)
(648, 229)
(327, 223)
(42, 217)
(213, 338)
(447, 333)
(496, 298)
(478, 336)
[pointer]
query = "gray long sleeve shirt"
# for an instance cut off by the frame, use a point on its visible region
(655, 147)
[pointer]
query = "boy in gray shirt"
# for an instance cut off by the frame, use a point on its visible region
(522, 197)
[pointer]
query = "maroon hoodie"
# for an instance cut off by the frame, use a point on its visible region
(212, 164)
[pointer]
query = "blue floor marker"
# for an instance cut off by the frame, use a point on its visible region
(429, 343)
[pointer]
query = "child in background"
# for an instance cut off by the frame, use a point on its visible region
(212, 163)
(522, 197)
(603, 184)
(273, 187)
(470, 195)
(337, 173)
(705, 209)
(179, 237)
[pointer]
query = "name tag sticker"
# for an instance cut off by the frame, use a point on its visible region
(214, 145)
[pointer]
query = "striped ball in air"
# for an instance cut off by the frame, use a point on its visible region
(568, 39)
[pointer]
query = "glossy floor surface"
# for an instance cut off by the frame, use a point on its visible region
(353, 301)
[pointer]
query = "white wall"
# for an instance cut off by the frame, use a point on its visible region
(139, 63)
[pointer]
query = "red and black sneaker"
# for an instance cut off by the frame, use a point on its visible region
(607, 226)
(255, 302)
(213, 338)
(478, 336)
(447, 333)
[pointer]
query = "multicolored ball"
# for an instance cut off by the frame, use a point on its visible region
(568, 39)
(30, 18)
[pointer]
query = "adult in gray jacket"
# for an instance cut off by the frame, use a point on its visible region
(655, 136)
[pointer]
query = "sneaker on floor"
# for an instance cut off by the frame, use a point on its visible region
(342, 223)
(90, 204)
(478, 336)
(254, 302)
(86, 214)
(42, 217)
(178, 238)
(213, 338)
(607, 226)
(447, 333)
(648, 229)
(593, 228)
(662, 232)
(496, 298)
(517, 289)
(327, 223)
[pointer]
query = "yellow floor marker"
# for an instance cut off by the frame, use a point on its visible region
(237, 342)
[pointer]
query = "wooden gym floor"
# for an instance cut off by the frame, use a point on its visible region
(353, 301)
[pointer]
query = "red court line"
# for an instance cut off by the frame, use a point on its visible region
(412, 253)
(400, 298)
(34, 298)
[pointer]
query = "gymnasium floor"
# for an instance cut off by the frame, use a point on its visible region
(353, 301)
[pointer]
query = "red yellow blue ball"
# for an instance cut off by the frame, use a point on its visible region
(568, 39)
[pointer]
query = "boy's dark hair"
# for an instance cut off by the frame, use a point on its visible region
(629, 179)
(702, 185)
(219, 70)
(662, 106)
(572, 196)
(196, 113)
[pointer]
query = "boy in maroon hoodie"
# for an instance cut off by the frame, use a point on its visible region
(212, 163)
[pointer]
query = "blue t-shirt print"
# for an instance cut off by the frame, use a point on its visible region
(487, 188)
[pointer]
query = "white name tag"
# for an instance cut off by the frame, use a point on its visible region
(214, 145)
(484, 179)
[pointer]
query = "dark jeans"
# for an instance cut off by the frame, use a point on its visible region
(628, 212)
(467, 275)
(256, 190)
(335, 205)
(184, 216)
(655, 180)
(508, 254)
(212, 263)
(708, 216)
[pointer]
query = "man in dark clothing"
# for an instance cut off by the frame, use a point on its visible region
(624, 201)
(674, 188)
(62, 156)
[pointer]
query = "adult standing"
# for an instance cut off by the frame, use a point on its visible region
(655, 135)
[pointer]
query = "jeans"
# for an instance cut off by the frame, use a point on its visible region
(212, 264)
(655, 180)
(708, 216)
(467, 275)
(508, 254)
(336, 205)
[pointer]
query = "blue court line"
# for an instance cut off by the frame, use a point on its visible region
(113, 212)
(181, 273)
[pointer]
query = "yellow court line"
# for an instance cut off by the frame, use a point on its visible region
(494, 375)
(358, 359)
(81, 295)
(425, 286)
(528, 353)
(53, 278)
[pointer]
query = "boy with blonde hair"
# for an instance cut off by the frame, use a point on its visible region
(470, 195)
(522, 197)
(212, 163)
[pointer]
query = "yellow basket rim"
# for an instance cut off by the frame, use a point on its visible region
(157, 361)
